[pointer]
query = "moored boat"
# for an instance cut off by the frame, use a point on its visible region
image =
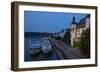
(45, 44)
(42, 45)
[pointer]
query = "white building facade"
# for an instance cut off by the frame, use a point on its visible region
(78, 28)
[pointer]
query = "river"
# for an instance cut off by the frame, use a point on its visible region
(40, 56)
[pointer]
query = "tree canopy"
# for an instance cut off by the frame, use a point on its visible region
(67, 37)
(85, 43)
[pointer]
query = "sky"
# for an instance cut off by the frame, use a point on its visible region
(40, 21)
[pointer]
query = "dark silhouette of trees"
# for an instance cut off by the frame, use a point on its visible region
(67, 37)
(85, 43)
(58, 38)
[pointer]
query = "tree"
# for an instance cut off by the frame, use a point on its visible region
(67, 37)
(85, 43)
(58, 38)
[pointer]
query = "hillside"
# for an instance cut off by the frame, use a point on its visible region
(41, 34)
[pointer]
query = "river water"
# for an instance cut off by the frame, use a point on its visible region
(40, 56)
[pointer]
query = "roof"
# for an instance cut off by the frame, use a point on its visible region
(88, 15)
(81, 22)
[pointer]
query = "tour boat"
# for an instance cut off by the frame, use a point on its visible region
(46, 46)
(42, 45)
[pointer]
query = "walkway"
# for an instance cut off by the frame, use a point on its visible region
(65, 51)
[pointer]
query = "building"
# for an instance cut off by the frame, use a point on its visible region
(62, 32)
(78, 27)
